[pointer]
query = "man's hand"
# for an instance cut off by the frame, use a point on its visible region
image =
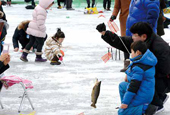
(123, 106)
(112, 18)
(3, 57)
(16, 49)
(7, 60)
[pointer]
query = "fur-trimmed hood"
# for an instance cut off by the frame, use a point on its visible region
(22, 24)
(45, 3)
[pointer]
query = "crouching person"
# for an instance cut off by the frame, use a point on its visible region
(137, 91)
(52, 48)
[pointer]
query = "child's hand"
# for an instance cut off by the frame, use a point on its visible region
(59, 55)
(123, 106)
(126, 80)
(16, 49)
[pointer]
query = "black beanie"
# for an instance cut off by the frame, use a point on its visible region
(101, 27)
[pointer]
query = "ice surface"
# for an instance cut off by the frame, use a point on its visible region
(66, 89)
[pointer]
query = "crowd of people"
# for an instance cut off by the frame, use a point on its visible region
(150, 57)
(147, 81)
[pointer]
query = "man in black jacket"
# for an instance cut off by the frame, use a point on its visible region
(142, 31)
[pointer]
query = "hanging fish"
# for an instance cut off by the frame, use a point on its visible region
(95, 93)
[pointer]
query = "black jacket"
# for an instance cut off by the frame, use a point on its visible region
(19, 36)
(155, 43)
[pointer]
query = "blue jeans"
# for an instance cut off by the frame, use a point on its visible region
(131, 110)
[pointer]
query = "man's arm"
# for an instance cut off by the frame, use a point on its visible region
(115, 41)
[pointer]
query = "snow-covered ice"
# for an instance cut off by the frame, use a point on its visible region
(66, 89)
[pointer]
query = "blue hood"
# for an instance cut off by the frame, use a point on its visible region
(148, 58)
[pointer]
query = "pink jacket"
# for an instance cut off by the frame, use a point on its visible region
(37, 26)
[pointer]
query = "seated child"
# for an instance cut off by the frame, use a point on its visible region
(137, 91)
(52, 48)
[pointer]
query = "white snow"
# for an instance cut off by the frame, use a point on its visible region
(66, 89)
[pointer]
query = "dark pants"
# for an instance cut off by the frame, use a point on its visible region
(1, 85)
(58, 1)
(32, 2)
(126, 56)
(55, 59)
(68, 4)
(8, 0)
(88, 3)
(36, 42)
(24, 41)
(108, 2)
(40, 43)
(161, 87)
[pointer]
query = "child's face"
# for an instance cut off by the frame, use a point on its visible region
(134, 54)
(49, 6)
(60, 40)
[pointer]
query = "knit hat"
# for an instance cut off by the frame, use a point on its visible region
(101, 27)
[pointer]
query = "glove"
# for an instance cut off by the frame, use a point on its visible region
(112, 18)
(101, 27)
(60, 56)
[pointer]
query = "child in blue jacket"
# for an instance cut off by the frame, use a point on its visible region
(137, 91)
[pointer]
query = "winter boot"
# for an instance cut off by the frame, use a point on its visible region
(151, 110)
(59, 7)
(55, 61)
(40, 59)
(126, 64)
(24, 57)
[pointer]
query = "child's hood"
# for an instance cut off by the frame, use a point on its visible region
(148, 59)
(45, 3)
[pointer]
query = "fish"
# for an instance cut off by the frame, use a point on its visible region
(95, 93)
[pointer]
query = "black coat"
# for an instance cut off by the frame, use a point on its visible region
(19, 36)
(155, 43)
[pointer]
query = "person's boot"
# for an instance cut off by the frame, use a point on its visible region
(55, 61)
(24, 57)
(151, 110)
(126, 64)
(39, 58)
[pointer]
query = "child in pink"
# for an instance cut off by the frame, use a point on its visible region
(37, 30)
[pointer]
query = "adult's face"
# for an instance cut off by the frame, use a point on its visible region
(136, 37)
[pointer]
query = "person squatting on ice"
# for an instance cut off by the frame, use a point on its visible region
(137, 91)
(37, 30)
(52, 47)
(20, 35)
(161, 49)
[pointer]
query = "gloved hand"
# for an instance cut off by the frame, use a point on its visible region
(60, 56)
(101, 27)
(112, 18)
